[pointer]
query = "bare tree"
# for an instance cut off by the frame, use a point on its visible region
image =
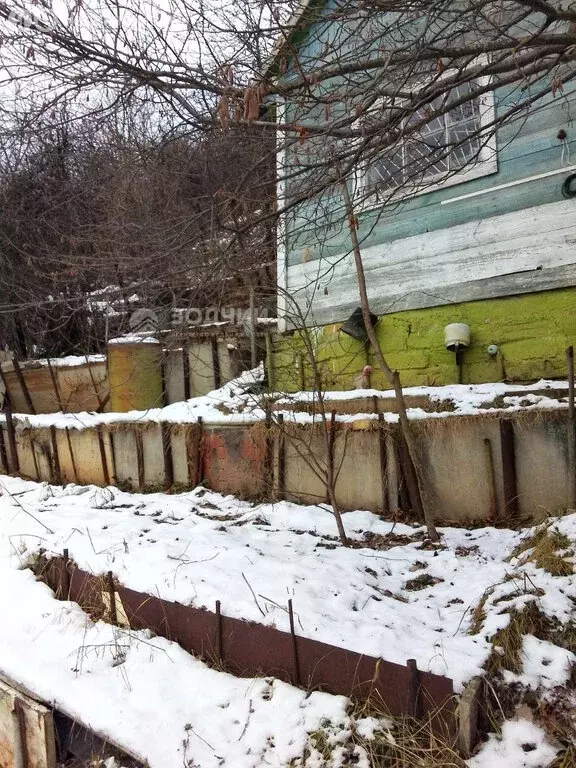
(360, 84)
(95, 223)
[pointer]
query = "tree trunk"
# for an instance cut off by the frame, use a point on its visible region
(392, 376)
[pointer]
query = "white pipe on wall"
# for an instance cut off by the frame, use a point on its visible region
(569, 169)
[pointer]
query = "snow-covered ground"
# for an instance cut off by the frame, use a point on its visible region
(241, 402)
(389, 595)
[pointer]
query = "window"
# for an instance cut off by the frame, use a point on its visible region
(446, 144)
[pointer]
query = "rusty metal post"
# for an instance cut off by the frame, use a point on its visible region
(219, 632)
(294, 644)
(55, 385)
(281, 480)
(392, 473)
(11, 432)
(61, 406)
(113, 456)
(216, 364)
(186, 370)
(489, 458)
(270, 362)
(112, 596)
(410, 479)
(167, 455)
(72, 458)
(383, 463)
(103, 458)
(571, 430)
(331, 443)
(413, 688)
(23, 385)
(56, 471)
(140, 458)
(508, 468)
(3, 454)
(65, 584)
(191, 458)
(200, 451)
(268, 478)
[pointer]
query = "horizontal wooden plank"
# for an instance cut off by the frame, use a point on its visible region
(474, 290)
(530, 250)
(425, 214)
(37, 730)
(535, 227)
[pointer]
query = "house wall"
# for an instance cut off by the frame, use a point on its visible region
(429, 250)
(531, 331)
(436, 252)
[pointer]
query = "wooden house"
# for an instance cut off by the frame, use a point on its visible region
(491, 244)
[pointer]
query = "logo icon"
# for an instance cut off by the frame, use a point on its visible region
(143, 321)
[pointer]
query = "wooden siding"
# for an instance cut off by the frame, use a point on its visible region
(525, 149)
(424, 250)
(529, 250)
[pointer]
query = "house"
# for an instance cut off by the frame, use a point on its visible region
(469, 219)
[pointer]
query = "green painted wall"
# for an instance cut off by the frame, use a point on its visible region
(531, 331)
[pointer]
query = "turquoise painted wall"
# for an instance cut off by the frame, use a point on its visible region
(527, 147)
(531, 330)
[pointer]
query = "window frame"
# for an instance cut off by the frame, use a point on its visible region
(485, 165)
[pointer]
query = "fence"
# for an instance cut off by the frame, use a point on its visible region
(251, 649)
(79, 384)
(490, 467)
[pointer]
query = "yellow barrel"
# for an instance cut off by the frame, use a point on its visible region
(135, 373)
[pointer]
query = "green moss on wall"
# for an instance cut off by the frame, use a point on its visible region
(531, 331)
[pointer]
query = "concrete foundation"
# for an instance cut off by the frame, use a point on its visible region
(289, 461)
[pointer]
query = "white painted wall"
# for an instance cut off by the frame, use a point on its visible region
(529, 250)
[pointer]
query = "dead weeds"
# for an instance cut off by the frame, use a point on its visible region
(548, 549)
(422, 582)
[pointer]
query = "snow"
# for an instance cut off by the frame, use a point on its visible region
(217, 407)
(134, 338)
(132, 687)
(240, 402)
(460, 394)
(70, 361)
(465, 399)
(544, 664)
(521, 745)
(199, 547)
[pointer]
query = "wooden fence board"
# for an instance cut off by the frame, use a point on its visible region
(37, 730)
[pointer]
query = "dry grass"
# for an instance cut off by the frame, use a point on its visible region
(547, 549)
(507, 644)
(400, 742)
(566, 758)
(479, 613)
